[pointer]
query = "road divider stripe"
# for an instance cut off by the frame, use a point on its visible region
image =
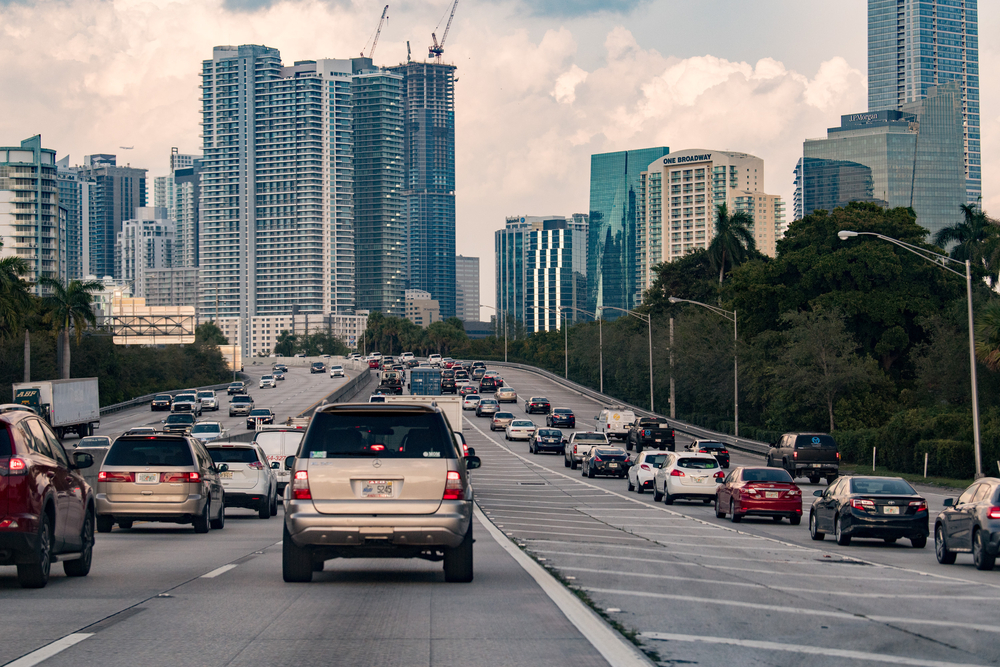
(49, 650)
(217, 571)
(808, 650)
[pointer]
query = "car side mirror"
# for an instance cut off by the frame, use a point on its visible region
(565, 440)
(473, 462)
(289, 462)
(949, 502)
(471, 452)
(818, 493)
(597, 416)
(82, 460)
(275, 465)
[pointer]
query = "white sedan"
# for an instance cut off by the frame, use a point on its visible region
(640, 475)
(336, 371)
(520, 429)
(470, 402)
(690, 475)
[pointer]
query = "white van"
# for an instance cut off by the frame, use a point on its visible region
(277, 443)
(615, 422)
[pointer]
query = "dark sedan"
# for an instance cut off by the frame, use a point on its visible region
(547, 440)
(537, 404)
(561, 417)
(970, 524)
(606, 461)
(716, 449)
(161, 402)
(262, 415)
(877, 507)
(467, 389)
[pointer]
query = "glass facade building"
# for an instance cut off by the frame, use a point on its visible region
(909, 158)
(613, 273)
(541, 265)
(116, 194)
(467, 288)
(914, 45)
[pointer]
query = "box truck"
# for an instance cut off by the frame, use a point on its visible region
(69, 406)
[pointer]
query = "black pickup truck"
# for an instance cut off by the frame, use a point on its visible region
(650, 433)
(811, 455)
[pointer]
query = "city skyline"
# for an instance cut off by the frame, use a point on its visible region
(528, 116)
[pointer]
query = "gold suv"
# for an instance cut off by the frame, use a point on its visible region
(374, 481)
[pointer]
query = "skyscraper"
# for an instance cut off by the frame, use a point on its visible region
(379, 225)
(117, 193)
(467, 288)
(429, 178)
(76, 194)
(180, 193)
(146, 242)
(612, 259)
(914, 45)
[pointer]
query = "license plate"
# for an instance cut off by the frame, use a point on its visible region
(890, 510)
(226, 475)
(147, 478)
(377, 488)
(817, 465)
(612, 465)
(771, 494)
(698, 480)
(659, 439)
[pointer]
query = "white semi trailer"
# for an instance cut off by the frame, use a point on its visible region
(69, 406)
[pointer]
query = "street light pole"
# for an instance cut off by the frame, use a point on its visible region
(736, 363)
(939, 260)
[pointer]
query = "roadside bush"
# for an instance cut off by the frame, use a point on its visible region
(946, 458)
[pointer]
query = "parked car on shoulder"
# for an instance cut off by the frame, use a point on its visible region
(717, 449)
(240, 405)
(500, 421)
(757, 491)
(547, 440)
(811, 455)
(520, 429)
(161, 402)
(687, 475)
(537, 404)
(250, 482)
(49, 509)
(886, 508)
(236, 388)
(643, 469)
(561, 417)
(579, 445)
(612, 461)
(970, 524)
(649, 433)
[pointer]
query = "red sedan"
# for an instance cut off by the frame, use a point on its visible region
(759, 492)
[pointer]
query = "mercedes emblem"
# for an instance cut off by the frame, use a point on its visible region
(376, 463)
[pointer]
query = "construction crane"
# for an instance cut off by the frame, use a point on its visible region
(436, 50)
(378, 31)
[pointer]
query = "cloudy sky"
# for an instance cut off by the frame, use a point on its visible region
(542, 84)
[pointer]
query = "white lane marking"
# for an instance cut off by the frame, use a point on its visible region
(809, 650)
(217, 571)
(647, 506)
(616, 649)
(541, 524)
(800, 610)
(796, 589)
(49, 650)
(665, 552)
(824, 576)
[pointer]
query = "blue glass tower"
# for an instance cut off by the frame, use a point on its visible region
(914, 45)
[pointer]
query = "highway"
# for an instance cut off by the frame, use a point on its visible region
(694, 589)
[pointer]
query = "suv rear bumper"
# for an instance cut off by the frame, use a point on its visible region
(806, 470)
(246, 499)
(21, 540)
(152, 511)
(446, 528)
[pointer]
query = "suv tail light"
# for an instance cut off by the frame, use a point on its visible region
(115, 477)
(994, 513)
(300, 486)
(180, 477)
(795, 455)
(863, 504)
(719, 475)
(453, 488)
(645, 467)
(677, 473)
(16, 466)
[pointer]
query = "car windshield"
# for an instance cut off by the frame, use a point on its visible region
(539, 399)
(408, 436)
(882, 486)
(233, 454)
(609, 452)
(652, 421)
(161, 397)
(267, 377)
(180, 419)
(337, 368)
(656, 460)
(206, 394)
(260, 412)
(206, 428)
(236, 385)
(89, 441)
(698, 464)
(241, 399)
(184, 397)
(472, 397)
(550, 433)
(488, 401)
(711, 445)
(766, 475)
(522, 422)
(145, 452)
(563, 411)
(503, 415)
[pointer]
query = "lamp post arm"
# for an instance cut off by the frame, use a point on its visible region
(928, 255)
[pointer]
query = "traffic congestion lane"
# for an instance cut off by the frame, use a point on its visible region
(767, 564)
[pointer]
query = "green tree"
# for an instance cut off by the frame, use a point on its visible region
(209, 334)
(733, 243)
(976, 238)
(285, 345)
(15, 295)
(690, 277)
(70, 305)
(988, 335)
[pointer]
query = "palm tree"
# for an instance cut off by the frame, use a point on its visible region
(733, 243)
(71, 305)
(976, 238)
(15, 294)
(988, 335)
(285, 345)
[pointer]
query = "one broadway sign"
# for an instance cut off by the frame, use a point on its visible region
(679, 159)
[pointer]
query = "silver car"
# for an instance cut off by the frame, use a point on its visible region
(209, 401)
(395, 465)
(208, 431)
(250, 481)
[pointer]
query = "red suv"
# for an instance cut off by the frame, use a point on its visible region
(46, 507)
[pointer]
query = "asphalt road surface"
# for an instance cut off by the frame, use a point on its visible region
(700, 590)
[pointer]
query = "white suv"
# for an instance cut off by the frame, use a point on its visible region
(687, 475)
(250, 481)
(268, 381)
(434, 360)
(209, 401)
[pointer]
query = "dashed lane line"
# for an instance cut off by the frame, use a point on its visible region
(44, 653)
(219, 570)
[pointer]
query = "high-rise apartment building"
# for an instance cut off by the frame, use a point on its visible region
(76, 194)
(429, 178)
(117, 193)
(909, 158)
(180, 193)
(915, 45)
(276, 226)
(541, 270)
(146, 242)
(467, 288)
(678, 198)
(613, 274)
(380, 267)
(31, 225)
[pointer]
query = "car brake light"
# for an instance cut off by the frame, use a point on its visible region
(677, 473)
(115, 477)
(300, 486)
(724, 451)
(795, 455)
(377, 448)
(256, 465)
(574, 449)
(838, 456)
(597, 459)
(180, 477)
(17, 466)
(921, 506)
(453, 488)
(863, 504)
(794, 492)
(994, 513)
(645, 467)
(719, 474)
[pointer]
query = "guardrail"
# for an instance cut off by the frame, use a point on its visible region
(142, 400)
(352, 388)
(743, 444)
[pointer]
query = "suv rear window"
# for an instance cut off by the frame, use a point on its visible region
(815, 442)
(711, 445)
(233, 454)
(5, 448)
(180, 419)
(146, 452)
(697, 464)
(400, 435)
(766, 475)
